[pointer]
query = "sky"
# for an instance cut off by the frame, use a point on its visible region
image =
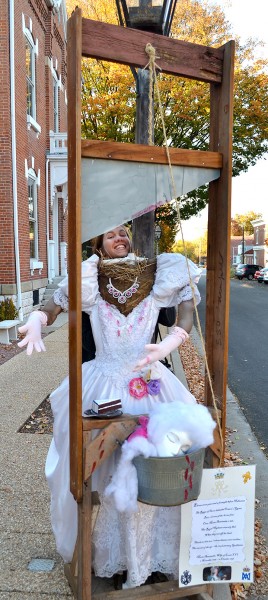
(249, 190)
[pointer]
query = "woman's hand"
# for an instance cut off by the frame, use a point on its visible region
(32, 329)
(160, 351)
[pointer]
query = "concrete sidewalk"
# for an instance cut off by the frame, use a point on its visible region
(30, 567)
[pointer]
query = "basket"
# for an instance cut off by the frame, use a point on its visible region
(169, 481)
(123, 276)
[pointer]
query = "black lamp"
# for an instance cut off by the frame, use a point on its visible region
(150, 15)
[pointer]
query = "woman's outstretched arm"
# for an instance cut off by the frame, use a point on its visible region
(33, 327)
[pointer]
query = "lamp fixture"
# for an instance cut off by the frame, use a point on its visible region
(148, 15)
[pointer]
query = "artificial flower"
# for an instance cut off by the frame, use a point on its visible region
(137, 388)
(153, 387)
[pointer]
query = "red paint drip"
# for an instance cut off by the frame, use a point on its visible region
(186, 474)
(93, 467)
(192, 465)
(190, 482)
(102, 442)
(187, 458)
(101, 454)
(185, 494)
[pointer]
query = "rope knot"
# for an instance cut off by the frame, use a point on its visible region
(150, 50)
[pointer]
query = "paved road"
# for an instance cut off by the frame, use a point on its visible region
(248, 350)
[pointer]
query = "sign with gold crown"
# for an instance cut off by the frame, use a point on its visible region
(217, 529)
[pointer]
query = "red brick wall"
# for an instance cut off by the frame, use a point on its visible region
(47, 28)
(7, 257)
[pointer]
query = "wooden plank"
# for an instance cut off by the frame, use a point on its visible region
(74, 45)
(97, 451)
(150, 154)
(166, 591)
(84, 537)
(219, 220)
(127, 46)
(216, 447)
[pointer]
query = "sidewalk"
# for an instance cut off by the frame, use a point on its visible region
(25, 532)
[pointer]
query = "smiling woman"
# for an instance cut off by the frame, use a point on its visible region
(113, 244)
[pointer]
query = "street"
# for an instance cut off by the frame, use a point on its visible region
(248, 356)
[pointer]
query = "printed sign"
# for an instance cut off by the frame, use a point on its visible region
(217, 529)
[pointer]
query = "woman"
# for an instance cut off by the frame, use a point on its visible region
(146, 541)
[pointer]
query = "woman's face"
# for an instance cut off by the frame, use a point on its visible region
(116, 243)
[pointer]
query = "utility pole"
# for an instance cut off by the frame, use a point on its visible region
(243, 243)
(143, 227)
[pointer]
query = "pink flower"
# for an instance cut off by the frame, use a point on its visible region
(137, 388)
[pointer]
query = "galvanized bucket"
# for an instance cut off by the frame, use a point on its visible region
(169, 481)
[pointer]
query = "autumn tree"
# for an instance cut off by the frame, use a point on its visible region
(167, 218)
(109, 93)
(188, 249)
(240, 222)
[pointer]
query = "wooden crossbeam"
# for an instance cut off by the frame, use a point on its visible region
(150, 154)
(127, 46)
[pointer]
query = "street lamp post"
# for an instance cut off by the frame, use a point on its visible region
(154, 16)
(243, 244)
(158, 233)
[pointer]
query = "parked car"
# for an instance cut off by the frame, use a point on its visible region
(265, 276)
(261, 274)
(248, 271)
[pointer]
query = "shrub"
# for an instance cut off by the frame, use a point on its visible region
(8, 310)
(232, 272)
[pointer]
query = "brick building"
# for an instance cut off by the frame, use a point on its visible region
(33, 152)
(260, 246)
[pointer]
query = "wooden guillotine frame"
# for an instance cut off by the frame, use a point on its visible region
(87, 38)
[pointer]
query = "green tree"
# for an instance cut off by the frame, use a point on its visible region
(109, 95)
(244, 221)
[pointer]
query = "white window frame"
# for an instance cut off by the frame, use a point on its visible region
(32, 181)
(33, 46)
(56, 112)
(257, 235)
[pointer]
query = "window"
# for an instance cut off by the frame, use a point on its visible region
(30, 74)
(56, 104)
(32, 202)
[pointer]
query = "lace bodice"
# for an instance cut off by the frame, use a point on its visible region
(122, 338)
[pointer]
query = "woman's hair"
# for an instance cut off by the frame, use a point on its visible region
(97, 242)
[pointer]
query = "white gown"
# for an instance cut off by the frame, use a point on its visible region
(146, 541)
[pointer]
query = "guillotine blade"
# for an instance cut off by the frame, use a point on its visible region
(114, 191)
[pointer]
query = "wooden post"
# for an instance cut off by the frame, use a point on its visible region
(143, 227)
(219, 220)
(84, 537)
(74, 40)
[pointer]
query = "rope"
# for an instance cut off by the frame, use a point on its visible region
(150, 50)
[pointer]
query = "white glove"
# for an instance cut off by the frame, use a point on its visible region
(32, 329)
(160, 351)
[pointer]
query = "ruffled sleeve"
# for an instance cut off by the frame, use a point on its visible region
(90, 288)
(172, 282)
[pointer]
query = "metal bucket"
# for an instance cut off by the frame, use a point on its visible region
(169, 481)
